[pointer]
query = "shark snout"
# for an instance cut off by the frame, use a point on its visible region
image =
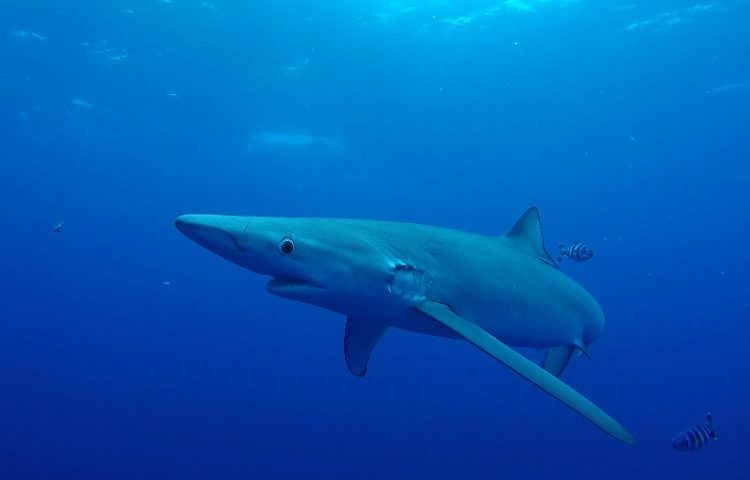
(218, 233)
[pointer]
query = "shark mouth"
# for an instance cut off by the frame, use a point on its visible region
(285, 286)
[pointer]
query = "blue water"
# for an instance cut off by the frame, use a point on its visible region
(127, 351)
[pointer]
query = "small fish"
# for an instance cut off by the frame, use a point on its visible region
(58, 226)
(577, 251)
(696, 437)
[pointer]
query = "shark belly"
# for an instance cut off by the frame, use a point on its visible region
(520, 300)
(415, 321)
(512, 327)
(512, 318)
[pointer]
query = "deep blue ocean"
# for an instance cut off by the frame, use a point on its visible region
(129, 352)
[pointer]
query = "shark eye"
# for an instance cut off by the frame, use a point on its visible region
(286, 246)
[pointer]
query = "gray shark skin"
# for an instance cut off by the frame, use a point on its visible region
(490, 291)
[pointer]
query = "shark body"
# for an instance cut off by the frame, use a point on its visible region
(491, 291)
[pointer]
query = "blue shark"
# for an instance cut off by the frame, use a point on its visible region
(494, 292)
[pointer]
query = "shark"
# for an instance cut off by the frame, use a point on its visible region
(495, 292)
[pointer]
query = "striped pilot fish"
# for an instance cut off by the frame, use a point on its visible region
(577, 251)
(696, 437)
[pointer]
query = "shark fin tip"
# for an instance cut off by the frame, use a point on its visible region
(360, 337)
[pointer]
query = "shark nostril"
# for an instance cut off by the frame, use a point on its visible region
(237, 245)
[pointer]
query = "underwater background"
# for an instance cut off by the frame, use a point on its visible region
(128, 352)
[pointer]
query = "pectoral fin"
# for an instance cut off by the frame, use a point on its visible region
(360, 337)
(526, 368)
(557, 358)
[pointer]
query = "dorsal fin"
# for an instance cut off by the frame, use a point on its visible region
(527, 235)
